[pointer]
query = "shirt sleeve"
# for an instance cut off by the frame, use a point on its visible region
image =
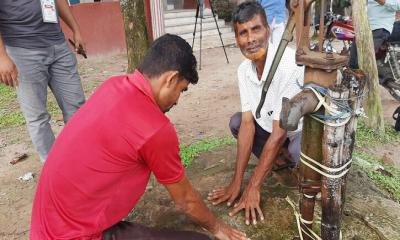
(161, 154)
(288, 90)
(244, 96)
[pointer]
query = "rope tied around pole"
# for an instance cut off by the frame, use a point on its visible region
(340, 110)
(301, 227)
(301, 223)
(324, 170)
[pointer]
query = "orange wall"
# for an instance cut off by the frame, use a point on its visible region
(101, 25)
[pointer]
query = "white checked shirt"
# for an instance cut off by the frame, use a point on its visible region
(287, 82)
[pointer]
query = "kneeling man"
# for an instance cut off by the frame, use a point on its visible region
(261, 136)
(101, 162)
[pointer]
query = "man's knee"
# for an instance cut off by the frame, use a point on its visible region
(234, 123)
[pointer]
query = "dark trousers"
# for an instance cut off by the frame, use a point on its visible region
(132, 231)
(261, 136)
(395, 35)
(379, 35)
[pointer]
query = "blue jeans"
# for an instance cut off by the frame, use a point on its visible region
(56, 67)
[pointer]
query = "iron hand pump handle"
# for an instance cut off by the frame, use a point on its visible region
(286, 38)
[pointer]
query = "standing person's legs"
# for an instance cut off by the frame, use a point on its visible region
(32, 95)
(129, 230)
(379, 37)
(65, 81)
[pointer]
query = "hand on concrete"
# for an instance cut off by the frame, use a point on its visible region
(229, 193)
(8, 71)
(226, 232)
(250, 202)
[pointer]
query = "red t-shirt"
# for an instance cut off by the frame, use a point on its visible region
(100, 164)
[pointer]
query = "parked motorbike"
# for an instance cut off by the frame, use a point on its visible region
(339, 27)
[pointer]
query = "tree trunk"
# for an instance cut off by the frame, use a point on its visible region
(136, 34)
(331, 188)
(367, 63)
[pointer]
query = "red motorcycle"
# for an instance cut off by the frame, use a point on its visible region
(387, 58)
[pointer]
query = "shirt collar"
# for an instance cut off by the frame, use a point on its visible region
(267, 66)
(142, 83)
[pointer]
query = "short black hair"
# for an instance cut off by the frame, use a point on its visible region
(170, 53)
(245, 11)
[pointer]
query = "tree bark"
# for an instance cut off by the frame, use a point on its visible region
(331, 188)
(367, 63)
(136, 34)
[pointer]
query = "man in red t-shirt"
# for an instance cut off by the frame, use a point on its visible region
(100, 164)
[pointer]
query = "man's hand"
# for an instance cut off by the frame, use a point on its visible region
(8, 71)
(250, 202)
(226, 232)
(189, 200)
(229, 193)
(78, 40)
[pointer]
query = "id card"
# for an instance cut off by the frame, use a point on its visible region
(49, 11)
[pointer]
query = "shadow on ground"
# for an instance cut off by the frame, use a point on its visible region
(369, 213)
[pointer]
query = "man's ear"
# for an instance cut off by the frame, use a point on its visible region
(172, 78)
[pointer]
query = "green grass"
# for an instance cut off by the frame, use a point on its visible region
(389, 183)
(10, 113)
(188, 153)
(367, 137)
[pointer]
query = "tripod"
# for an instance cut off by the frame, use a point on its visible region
(200, 9)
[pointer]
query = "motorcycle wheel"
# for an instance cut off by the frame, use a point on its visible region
(393, 88)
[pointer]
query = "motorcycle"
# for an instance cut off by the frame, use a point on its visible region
(339, 27)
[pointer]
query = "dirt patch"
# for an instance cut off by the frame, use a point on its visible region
(362, 219)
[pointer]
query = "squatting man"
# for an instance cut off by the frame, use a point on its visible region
(263, 137)
(100, 164)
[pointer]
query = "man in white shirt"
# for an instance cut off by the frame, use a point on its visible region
(381, 16)
(261, 136)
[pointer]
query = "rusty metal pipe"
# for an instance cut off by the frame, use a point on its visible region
(294, 109)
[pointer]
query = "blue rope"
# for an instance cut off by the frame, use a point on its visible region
(344, 108)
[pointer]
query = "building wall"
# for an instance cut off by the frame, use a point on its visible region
(101, 25)
(192, 4)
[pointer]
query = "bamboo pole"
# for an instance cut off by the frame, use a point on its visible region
(331, 194)
(355, 82)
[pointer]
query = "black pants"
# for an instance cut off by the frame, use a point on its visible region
(132, 231)
(261, 136)
(379, 35)
(395, 36)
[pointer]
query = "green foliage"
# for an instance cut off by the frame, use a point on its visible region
(387, 182)
(193, 150)
(368, 137)
(224, 9)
